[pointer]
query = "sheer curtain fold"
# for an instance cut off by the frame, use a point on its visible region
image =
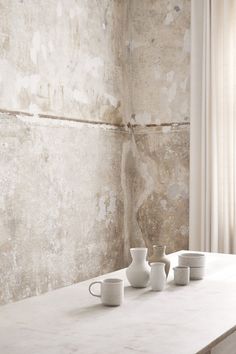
(213, 126)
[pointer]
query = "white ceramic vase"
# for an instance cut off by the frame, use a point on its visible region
(159, 255)
(138, 273)
(158, 276)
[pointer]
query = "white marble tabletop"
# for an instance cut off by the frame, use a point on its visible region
(178, 320)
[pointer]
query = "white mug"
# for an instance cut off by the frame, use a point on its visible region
(181, 275)
(112, 291)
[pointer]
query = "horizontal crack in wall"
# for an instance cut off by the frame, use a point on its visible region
(48, 116)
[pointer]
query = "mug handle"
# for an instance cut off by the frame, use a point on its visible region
(90, 286)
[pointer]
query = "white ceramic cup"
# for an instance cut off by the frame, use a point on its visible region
(112, 291)
(181, 275)
(197, 273)
(158, 276)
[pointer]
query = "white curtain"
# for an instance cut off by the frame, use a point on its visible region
(213, 126)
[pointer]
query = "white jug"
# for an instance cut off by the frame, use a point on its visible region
(138, 273)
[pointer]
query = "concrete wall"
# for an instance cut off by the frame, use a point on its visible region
(61, 200)
(61, 209)
(62, 58)
(77, 189)
(158, 53)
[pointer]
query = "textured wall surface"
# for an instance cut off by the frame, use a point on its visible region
(62, 57)
(61, 209)
(160, 59)
(75, 196)
(158, 155)
(161, 191)
(61, 201)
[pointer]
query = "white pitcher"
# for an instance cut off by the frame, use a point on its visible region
(138, 273)
(158, 276)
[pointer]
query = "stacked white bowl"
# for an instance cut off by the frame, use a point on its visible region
(196, 261)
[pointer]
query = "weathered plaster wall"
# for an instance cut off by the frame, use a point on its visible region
(160, 190)
(160, 57)
(62, 58)
(158, 65)
(75, 196)
(61, 201)
(61, 209)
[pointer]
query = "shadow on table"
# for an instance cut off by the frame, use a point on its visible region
(135, 293)
(132, 293)
(138, 293)
(171, 286)
(89, 311)
(148, 293)
(129, 290)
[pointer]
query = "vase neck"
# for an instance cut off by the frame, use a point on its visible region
(138, 254)
(159, 250)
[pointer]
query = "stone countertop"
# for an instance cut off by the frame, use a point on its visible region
(179, 320)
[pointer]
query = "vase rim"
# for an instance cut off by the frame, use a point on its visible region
(138, 248)
(154, 264)
(159, 246)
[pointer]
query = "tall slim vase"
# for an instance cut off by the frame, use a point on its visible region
(159, 255)
(138, 272)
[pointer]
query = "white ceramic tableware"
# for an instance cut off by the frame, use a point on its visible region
(158, 276)
(138, 272)
(192, 259)
(159, 255)
(197, 273)
(181, 275)
(112, 291)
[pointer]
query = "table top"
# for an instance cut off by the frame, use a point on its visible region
(178, 320)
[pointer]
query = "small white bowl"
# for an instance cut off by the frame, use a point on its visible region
(192, 259)
(197, 273)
